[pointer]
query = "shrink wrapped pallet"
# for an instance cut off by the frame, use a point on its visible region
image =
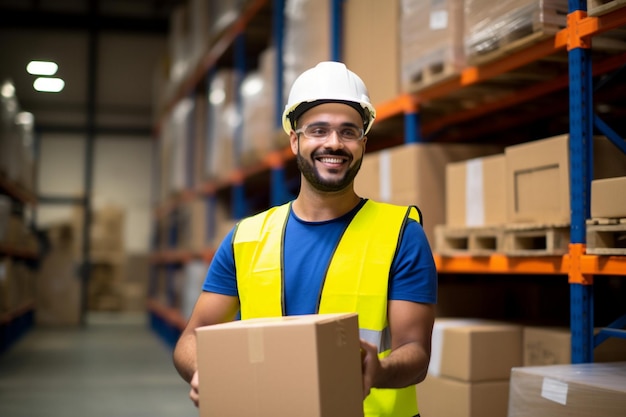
(496, 28)
(431, 39)
(222, 123)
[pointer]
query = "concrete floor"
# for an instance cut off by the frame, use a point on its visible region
(114, 366)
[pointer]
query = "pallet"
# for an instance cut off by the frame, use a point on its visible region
(536, 239)
(522, 37)
(601, 7)
(432, 74)
(606, 236)
(473, 241)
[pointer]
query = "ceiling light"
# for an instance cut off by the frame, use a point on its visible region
(49, 85)
(7, 90)
(42, 68)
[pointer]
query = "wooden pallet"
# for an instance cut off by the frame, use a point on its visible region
(606, 236)
(536, 239)
(600, 7)
(474, 241)
(522, 37)
(432, 74)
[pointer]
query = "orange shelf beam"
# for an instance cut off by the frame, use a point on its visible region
(502, 264)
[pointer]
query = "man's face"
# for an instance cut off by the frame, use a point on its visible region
(329, 164)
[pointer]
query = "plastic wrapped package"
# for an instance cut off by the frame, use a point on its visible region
(307, 37)
(491, 25)
(431, 41)
(590, 389)
(223, 121)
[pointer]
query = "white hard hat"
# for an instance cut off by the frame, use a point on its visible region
(328, 82)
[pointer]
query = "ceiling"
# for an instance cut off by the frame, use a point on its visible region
(107, 51)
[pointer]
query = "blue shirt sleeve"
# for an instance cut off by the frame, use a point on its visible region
(413, 272)
(221, 277)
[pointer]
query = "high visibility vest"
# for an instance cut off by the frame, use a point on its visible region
(257, 247)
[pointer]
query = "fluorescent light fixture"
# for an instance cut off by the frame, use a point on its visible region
(42, 67)
(49, 85)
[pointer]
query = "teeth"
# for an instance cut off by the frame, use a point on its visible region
(331, 160)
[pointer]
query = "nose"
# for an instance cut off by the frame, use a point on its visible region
(333, 140)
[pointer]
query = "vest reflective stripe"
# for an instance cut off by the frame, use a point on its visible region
(376, 230)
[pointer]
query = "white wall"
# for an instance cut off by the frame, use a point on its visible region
(122, 177)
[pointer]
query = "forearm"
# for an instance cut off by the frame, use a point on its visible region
(185, 356)
(406, 365)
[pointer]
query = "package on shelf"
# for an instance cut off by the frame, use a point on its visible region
(105, 289)
(14, 230)
(223, 14)
(498, 26)
(307, 37)
(370, 31)
(538, 177)
(199, 28)
(475, 192)
(106, 235)
(431, 42)
(475, 350)
(292, 359)
(17, 285)
(545, 345)
(608, 198)
(441, 396)
(223, 121)
(195, 272)
(17, 158)
(199, 143)
(135, 284)
(258, 127)
(197, 223)
(414, 174)
(58, 284)
(588, 389)
(177, 138)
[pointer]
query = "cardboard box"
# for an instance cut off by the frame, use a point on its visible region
(473, 350)
(475, 192)
(538, 177)
(376, 22)
(608, 197)
(590, 389)
(415, 174)
(553, 346)
(447, 397)
(306, 366)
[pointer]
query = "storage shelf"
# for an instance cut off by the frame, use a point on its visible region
(545, 265)
(12, 252)
(168, 257)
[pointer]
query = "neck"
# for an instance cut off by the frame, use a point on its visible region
(313, 205)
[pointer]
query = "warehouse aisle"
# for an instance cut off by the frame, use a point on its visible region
(113, 367)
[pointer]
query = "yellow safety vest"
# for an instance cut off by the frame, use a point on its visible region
(375, 230)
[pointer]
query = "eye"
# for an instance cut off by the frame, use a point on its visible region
(350, 133)
(317, 131)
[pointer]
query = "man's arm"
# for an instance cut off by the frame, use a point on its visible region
(411, 326)
(211, 308)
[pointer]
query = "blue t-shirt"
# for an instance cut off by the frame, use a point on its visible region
(308, 249)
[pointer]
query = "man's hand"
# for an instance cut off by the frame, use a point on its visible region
(194, 392)
(370, 365)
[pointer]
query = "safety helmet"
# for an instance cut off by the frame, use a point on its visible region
(328, 82)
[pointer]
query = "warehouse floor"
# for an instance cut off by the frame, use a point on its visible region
(113, 366)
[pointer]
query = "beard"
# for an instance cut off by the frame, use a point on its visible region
(313, 177)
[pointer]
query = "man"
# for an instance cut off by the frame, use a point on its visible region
(330, 251)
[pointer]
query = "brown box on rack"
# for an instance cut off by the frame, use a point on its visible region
(553, 346)
(474, 350)
(589, 389)
(475, 192)
(441, 396)
(372, 25)
(414, 174)
(307, 366)
(608, 197)
(538, 177)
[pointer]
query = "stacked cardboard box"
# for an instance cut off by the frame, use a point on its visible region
(470, 367)
(414, 174)
(589, 389)
(431, 38)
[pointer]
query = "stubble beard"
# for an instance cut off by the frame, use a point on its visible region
(313, 177)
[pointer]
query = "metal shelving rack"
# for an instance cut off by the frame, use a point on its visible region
(578, 266)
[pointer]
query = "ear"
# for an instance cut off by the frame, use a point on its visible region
(293, 142)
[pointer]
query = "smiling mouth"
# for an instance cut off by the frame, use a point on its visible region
(331, 160)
